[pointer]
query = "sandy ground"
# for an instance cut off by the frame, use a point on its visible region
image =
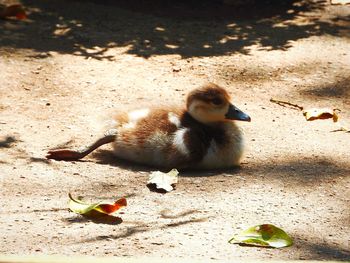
(71, 64)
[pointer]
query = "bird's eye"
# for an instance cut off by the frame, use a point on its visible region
(217, 101)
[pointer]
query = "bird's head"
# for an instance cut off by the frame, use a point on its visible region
(211, 104)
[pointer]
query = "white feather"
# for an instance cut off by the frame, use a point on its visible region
(174, 119)
(179, 141)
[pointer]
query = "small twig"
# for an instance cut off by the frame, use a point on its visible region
(286, 103)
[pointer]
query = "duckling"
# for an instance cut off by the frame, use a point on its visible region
(204, 135)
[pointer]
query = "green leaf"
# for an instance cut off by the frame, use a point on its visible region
(82, 208)
(265, 235)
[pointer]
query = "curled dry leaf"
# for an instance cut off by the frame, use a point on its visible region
(163, 181)
(265, 235)
(82, 208)
(311, 114)
(321, 114)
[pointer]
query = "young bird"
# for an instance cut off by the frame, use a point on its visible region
(203, 135)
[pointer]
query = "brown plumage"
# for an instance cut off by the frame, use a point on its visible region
(204, 135)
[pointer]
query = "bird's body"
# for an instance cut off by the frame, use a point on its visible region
(172, 138)
(198, 136)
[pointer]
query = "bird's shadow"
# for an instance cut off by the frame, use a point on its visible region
(106, 157)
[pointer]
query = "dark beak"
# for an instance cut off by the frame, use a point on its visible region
(236, 114)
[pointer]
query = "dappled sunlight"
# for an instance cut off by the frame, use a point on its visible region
(73, 65)
(193, 29)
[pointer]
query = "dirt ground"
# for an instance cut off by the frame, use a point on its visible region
(71, 64)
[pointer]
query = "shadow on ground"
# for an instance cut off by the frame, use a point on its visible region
(308, 170)
(106, 157)
(95, 217)
(339, 89)
(145, 28)
(7, 142)
(315, 250)
(321, 250)
(139, 227)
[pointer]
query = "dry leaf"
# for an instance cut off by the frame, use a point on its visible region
(82, 208)
(321, 114)
(163, 181)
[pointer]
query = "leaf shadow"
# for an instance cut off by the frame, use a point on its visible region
(185, 222)
(168, 214)
(130, 231)
(153, 188)
(95, 217)
(140, 227)
(253, 245)
(7, 142)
